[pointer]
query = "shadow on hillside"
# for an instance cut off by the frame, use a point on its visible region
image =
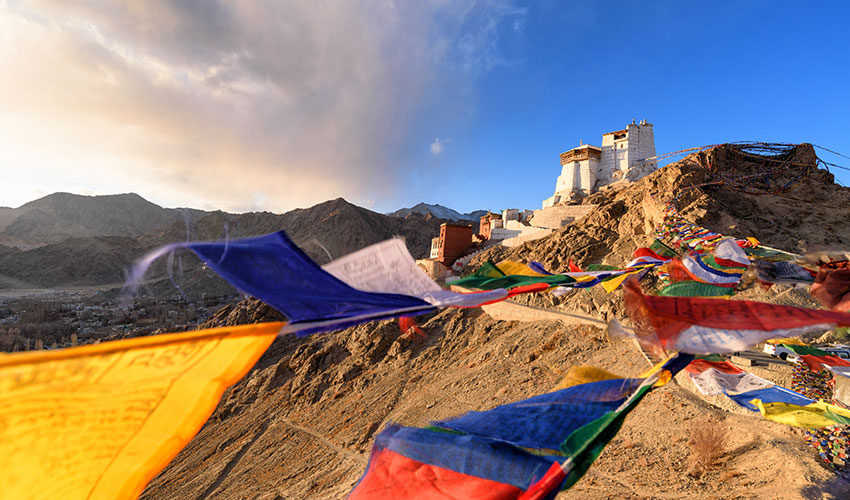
(837, 488)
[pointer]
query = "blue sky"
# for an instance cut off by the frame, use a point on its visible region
(273, 105)
(702, 74)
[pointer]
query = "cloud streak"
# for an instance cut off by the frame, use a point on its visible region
(233, 105)
(437, 146)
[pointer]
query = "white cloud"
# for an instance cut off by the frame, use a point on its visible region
(204, 104)
(437, 146)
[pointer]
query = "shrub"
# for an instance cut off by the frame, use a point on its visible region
(707, 443)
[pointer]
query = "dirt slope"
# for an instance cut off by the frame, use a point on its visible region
(301, 423)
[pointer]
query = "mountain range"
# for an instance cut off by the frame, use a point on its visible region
(439, 212)
(73, 240)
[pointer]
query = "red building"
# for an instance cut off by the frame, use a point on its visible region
(455, 239)
(485, 224)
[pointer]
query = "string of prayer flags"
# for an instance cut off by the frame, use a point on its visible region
(724, 268)
(708, 325)
(817, 359)
(525, 450)
(832, 444)
(100, 421)
(775, 403)
(377, 282)
(812, 384)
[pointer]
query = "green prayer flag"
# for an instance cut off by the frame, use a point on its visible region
(513, 281)
(695, 289)
(803, 350)
(601, 267)
(586, 443)
(488, 270)
(663, 250)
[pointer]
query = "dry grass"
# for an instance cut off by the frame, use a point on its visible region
(708, 440)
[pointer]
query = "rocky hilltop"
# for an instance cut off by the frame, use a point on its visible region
(300, 424)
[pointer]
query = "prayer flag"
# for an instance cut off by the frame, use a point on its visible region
(782, 272)
(511, 268)
(713, 378)
(832, 285)
(661, 250)
(99, 421)
(388, 267)
(273, 269)
(703, 325)
(537, 266)
(817, 359)
(695, 289)
(524, 450)
(812, 416)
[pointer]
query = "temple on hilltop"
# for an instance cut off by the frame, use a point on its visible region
(586, 168)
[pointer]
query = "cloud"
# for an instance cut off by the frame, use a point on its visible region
(437, 146)
(234, 105)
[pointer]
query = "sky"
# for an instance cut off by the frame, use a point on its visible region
(275, 105)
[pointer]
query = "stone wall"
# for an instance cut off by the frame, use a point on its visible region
(558, 216)
(530, 236)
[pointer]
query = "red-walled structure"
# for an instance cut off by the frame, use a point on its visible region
(455, 239)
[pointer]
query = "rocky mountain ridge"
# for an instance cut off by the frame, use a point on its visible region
(440, 212)
(59, 216)
(325, 231)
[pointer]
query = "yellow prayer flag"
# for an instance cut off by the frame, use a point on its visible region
(578, 375)
(811, 416)
(788, 341)
(613, 283)
(511, 268)
(99, 421)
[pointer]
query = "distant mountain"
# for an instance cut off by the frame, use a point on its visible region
(439, 212)
(325, 231)
(60, 216)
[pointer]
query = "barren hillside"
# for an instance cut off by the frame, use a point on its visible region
(72, 246)
(301, 423)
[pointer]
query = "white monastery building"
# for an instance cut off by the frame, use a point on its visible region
(585, 169)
